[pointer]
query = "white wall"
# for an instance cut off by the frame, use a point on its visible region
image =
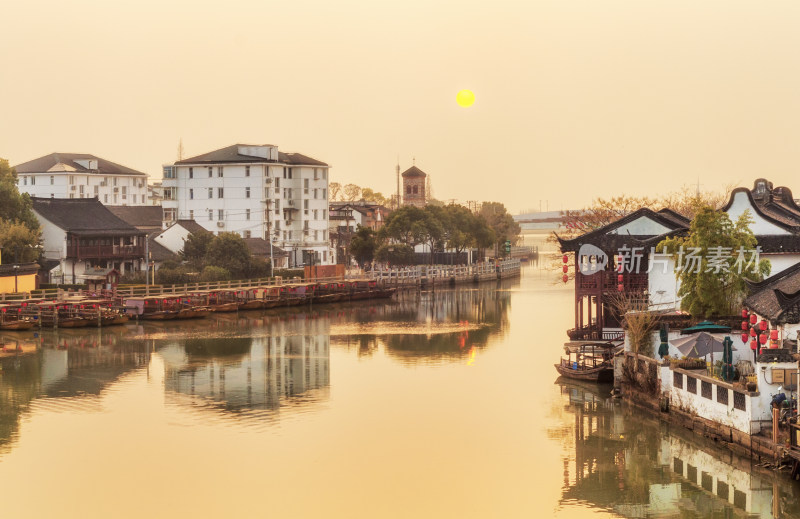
(54, 238)
(781, 262)
(642, 226)
(741, 203)
(173, 238)
(710, 409)
(109, 189)
(663, 284)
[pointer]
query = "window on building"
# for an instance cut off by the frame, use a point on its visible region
(24, 181)
(96, 190)
(246, 234)
(219, 171)
(416, 190)
(315, 193)
(72, 195)
(210, 215)
(220, 214)
(247, 214)
(324, 214)
(191, 214)
(277, 182)
(191, 172)
(247, 171)
(115, 199)
(191, 194)
(115, 181)
(247, 192)
(210, 174)
(305, 225)
(220, 192)
(316, 174)
(124, 191)
(284, 235)
(324, 235)
(80, 190)
(408, 190)
(322, 174)
(305, 207)
(105, 198)
(316, 235)
(305, 186)
(324, 194)
(210, 192)
(324, 255)
(169, 172)
(71, 180)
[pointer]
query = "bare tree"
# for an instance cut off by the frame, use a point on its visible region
(351, 192)
(335, 191)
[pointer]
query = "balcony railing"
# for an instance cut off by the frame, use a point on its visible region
(105, 251)
(608, 280)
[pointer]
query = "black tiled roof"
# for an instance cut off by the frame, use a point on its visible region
(104, 167)
(776, 355)
(609, 242)
(158, 252)
(191, 226)
(414, 171)
(774, 298)
(83, 216)
(260, 247)
(231, 154)
(143, 216)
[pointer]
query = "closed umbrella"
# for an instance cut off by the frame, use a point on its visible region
(663, 350)
(698, 345)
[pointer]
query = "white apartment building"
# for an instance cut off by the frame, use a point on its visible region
(80, 175)
(258, 192)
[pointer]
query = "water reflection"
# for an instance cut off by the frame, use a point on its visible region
(67, 372)
(248, 380)
(637, 466)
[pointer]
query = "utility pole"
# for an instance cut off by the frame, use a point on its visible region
(398, 182)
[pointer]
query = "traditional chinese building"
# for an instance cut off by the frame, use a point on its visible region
(598, 281)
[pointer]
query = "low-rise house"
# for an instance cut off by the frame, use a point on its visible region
(146, 218)
(86, 238)
(82, 175)
(259, 247)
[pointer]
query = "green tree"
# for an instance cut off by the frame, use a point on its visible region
(214, 273)
(363, 245)
(373, 196)
(229, 251)
(19, 243)
(396, 254)
(195, 248)
(501, 222)
(715, 258)
(406, 225)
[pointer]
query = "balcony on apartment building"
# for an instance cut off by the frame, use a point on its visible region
(105, 248)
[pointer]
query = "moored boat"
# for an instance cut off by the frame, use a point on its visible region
(11, 320)
(222, 300)
(589, 362)
(151, 308)
(248, 299)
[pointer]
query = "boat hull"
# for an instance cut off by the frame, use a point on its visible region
(604, 373)
(17, 325)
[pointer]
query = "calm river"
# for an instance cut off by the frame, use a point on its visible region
(442, 404)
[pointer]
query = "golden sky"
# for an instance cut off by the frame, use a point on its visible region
(574, 98)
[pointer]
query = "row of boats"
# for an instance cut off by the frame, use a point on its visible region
(79, 312)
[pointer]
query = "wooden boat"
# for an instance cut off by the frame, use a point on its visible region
(590, 362)
(222, 301)
(364, 289)
(12, 320)
(328, 292)
(271, 297)
(248, 299)
(61, 314)
(151, 308)
(296, 294)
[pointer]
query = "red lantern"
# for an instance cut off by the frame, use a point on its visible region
(762, 338)
(744, 338)
(744, 313)
(763, 325)
(753, 332)
(753, 319)
(773, 334)
(744, 325)
(565, 258)
(620, 287)
(564, 278)
(565, 269)
(620, 278)
(753, 344)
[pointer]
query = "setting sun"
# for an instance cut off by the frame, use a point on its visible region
(465, 98)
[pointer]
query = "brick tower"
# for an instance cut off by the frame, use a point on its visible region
(414, 187)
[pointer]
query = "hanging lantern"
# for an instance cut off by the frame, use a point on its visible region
(753, 344)
(763, 325)
(753, 332)
(620, 278)
(565, 269)
(744, 338)
(753, 319)
(620, 287)
(773, 334)
(762, 338)
(564, 278)
(565, 258)
(744, 325)
(744, 313)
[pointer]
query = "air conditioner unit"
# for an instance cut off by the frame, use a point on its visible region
(116, 190)
(72, 188)
(220, 224)
(268, 181)
(103, 183)
(290, 202)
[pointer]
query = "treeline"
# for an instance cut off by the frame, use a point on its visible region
(441, 228)
(20, 234)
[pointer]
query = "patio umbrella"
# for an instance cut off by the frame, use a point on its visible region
(663, 350)
(698, 345)
(707, 326)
